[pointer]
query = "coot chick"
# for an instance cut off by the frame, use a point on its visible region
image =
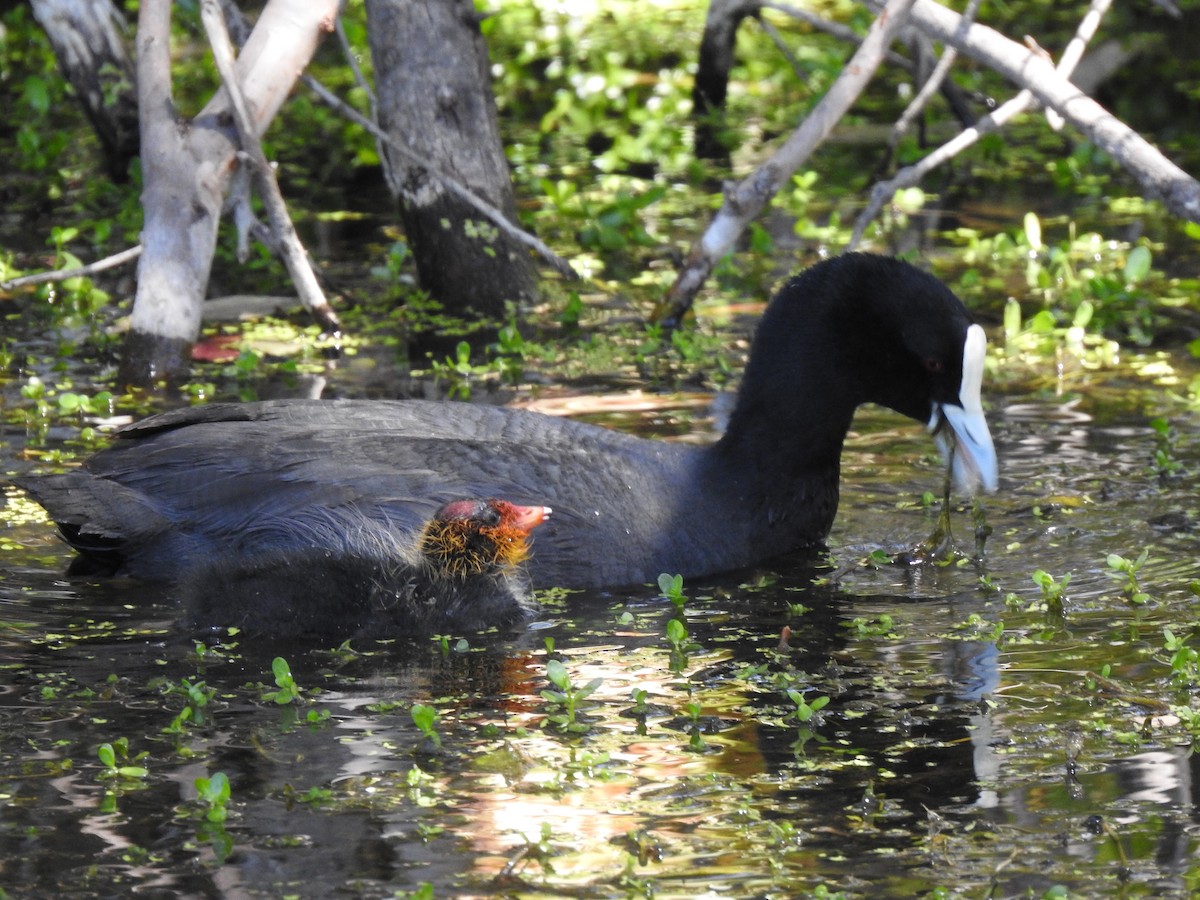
(231, 484)
(461, 573)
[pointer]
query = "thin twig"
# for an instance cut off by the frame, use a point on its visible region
(933, 83)
(100, 265)
(352, 62)
(781, 45)
(836, 29)
(491, 213)
(495, 216)
(1159, 177)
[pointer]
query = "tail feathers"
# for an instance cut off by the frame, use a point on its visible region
(98, 517)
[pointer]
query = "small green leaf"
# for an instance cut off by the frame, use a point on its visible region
(37, 95)
(1042, 322)
(558, 676)
(423, 716)
(676, 632)
(1137, 266)
(1033, 231)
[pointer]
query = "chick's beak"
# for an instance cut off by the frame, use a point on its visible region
(960, 430)
(526, 518)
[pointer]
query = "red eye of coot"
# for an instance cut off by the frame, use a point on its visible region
(934, 366)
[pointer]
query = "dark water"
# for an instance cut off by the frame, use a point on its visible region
(966, 744)
(977, 741)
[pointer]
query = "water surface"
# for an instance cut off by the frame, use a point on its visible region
(974, 739)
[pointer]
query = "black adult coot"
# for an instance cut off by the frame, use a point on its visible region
(230, 484)
(461, 572)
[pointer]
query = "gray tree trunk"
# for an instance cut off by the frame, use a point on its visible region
(88, 37)
(434, 90)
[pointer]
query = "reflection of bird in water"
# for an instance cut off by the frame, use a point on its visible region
(461, 573)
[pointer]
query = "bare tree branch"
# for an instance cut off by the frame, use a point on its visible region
(932, 83)
(1075, 47)
(491, 213)
(55, 275)
(1158, 176)
(745, 200)
(835, 29)
(1021, 102)
(187, 166)
(283, 233)
(351, 60)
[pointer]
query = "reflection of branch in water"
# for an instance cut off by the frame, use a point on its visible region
(983, 530)
(938, 548)
(939, 545)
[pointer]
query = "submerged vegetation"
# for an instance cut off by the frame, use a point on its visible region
(1014, 724)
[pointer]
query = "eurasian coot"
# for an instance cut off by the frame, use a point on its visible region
(461, 572)
(228, 485)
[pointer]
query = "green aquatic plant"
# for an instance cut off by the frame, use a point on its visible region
(877, 559)
(796, 609)
(34, 390)
(1185, 660)
(1126, 570)
(99, 404)
(1088, 284)
(509, 353)
(1166, 463)
(978, 628)
(564, 698)
(445, 645)
(671, 587)
(457, 371)
(425, 718)
(682, 646)
(640, 706)
(821, 892)
(1053, 591)
(882, 626)
(804, 710)
(315, 796)
(395, 259)
(196, 696)
(213, 796)
(696, 742)
(117, 763)
(617, 226)
(289, 691)
(424, 891)
(505, 362)
(571, 313)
